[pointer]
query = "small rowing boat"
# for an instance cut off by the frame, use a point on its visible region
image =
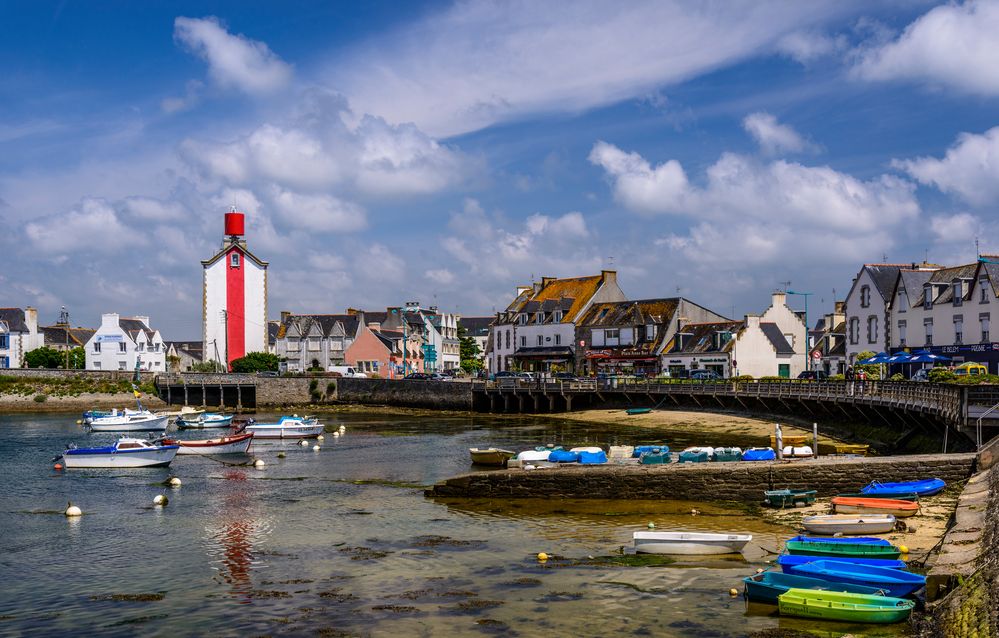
(788, 498)
(925, 487)
(856, 540)
(638, 410)
(836, 549)
(789, 563)
(235, 444)
(129, 421)
(723, 454)
(655, 456)
(690, 543)
(897, 508)
(894, 582)
(849, 523)
(205, 420)
(493, 456)
(765, 587)
(911, 497)
(759, 454)
(828, 605)
(126, 452)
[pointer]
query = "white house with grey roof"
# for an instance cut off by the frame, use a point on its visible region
(19, 335)
(305, 342)
(126, 343)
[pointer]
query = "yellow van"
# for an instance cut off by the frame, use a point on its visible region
(970, 368)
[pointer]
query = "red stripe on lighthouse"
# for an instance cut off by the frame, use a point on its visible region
(235, 306)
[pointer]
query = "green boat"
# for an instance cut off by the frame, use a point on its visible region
(638, 410)
(788, 498)
(723, 454)
(833, 605)
(841, 550)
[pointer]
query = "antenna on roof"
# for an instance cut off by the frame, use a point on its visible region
(884, 258)
(787, 284)
(610, 262)
(978, 251)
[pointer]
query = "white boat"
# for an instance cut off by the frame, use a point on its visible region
(235, 444)
(621, 452)
(287, 427)
(797, 451)
(185, 412)
(849, 524)
(129, 421)
(126, 452)
(534, 455)
(710, 451)
(205, 420)
(691, 543)
(593, 449)
(490, 456)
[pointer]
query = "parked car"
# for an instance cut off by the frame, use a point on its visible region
(348, 371)
(704, 375)
(970, 369)
(565, 376)
(424, 376)
(814, 375)
(923, 374)
(269, 373)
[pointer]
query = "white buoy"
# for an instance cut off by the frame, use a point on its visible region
(336, 435)
(73, 510)
(343, 428)
(259, 463)
(320, 438)
(160, 500)
(652, 526)
(303, 442)
(316, 448)
(174, 481)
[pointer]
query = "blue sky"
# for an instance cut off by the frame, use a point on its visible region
(446, 152)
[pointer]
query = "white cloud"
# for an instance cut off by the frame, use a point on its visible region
(956, 228)
(190, 98)
(773, 137)
(639, 186)
(952, 45)
(233, 60)
(441, 276)
(150, 209)
(319, 213)
(92, 226)
(807, 46)
(970, 169)
(478, 63)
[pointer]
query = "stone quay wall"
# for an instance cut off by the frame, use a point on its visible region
(737, 481)
(277, 391)
(43, 373)
(440, 395)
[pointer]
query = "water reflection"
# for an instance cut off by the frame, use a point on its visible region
(234, 534)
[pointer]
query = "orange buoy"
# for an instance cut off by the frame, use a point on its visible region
(58, 466)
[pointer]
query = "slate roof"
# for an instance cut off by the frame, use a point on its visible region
(134, 326)
(992, 270)
(639, 312)
(912, 281)
(194, 349)
(325, 322)
(944, 277)
(698, 338)
(14, 318)
(884, 276)
(57, 335)
(476, 326)
(776, 338)
(273, 327)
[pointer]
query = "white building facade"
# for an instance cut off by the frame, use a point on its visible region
(234, 298)
(19, 335)
(126, 343)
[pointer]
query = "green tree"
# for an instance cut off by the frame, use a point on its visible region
(45, 357)
(207, 366)
(468, 351)
(77, 359)
(873, 370)
(256, 362)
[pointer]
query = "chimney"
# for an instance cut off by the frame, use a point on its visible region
(609, 276)
(144, 319)
(31, 319)
(433, 310)
(353, 311)
(537, 287)
(778, 298)
(753, 321)
(840, 308)
(285, 315)
(375, 326)
(546, 280)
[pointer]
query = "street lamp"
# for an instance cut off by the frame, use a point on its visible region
(808, 354)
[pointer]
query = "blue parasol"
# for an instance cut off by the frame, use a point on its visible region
(899, 357)
(925, 356)
(881, 357)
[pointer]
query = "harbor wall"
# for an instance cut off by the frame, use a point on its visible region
(278, 391)
(44, 373)
(440, 395)
(737, 481)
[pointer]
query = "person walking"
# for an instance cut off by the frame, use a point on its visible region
(849, 380)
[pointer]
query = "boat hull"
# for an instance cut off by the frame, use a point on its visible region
(238, 444)
(766, 587)
(285, 432)
(869, 523)
(156, 423)
(897, 508)
(894, 582)
(835, 550)
(689, 543)
(494, 457)
(145, 457)
(204, 424)
(789, 563)
(926, 487)
(847, 607)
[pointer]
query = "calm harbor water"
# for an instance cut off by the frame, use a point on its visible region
(342, 542)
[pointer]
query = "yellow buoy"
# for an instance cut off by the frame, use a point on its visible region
(903, 549)
(542, 556)
(281, 455)
(733, 592)
(73, 510)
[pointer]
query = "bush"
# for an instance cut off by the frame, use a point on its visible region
(313, 385)
(898, 376)
(316, 397)
(330, 388)
(744, 377)
(772, 378)
(41, 398)
(835, 377)
(940, 375)
(256, 362)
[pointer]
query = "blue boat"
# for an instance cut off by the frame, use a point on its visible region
(563, 456)
(866, 540)
(759, 454)
(926, 487)
(894, 582)
(641, 449)
(765, 587)
(789, 563)
(655, 456)
(591, 458)
(693, 457)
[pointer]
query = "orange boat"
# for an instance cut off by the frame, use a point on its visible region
(855, 505)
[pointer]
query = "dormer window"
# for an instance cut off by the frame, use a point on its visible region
(928, 297)
(958, 293)
(983, 286)
(234, 260)
(523, 319)
(557, 316)
(539, 318)
(865, 296)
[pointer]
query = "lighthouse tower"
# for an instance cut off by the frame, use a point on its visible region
(234, 300)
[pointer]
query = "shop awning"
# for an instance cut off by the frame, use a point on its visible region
(544, 351)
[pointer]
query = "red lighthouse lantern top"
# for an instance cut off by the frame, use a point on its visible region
(234, 222)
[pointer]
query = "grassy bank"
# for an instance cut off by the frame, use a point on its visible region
(43, 394)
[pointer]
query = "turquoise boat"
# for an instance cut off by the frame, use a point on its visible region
(641, 449)
(828, 605)
(894, 582)
(836, 549)
(693, 457)
(788, 498)
(766, 587)
(638, 410)
(655, 456)
(723, 454)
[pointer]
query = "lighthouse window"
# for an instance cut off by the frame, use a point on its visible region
(235, 260)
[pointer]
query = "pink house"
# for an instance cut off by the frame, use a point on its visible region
(378, 352)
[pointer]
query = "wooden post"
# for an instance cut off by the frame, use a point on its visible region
(779, 439)
(815, 440)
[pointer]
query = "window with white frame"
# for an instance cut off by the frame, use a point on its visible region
(4, 342)
(958, 329)
(97, 365)
(97, 346)
(612, 337)
(872, 329)
(557, 316)
(958, 293)
(121, 365)
(901, 333)
(539, 318)
(313, 343)
(234, 260)
(928, 328)
(523, 319)
(983, 319)
(983, 290)
(293, 344)
(122, 346)
(865, 296)
(903, 301)
(650, 331)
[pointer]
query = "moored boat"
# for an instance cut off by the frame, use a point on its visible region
(592, 458)
(871, 523)
(828, 605)
(126, 452)
(655, 456)
(797, 451)
(925, 487)
(788, 498)
(866, 540)
(690, 543)
(835, 549)
(620, 452)
(493, 456)
(722, 454)
(287, 427)
(205, 420)
(766, 586)
(563, 456)
(696, 455)
(129, 421)
(911, 496)
(638, 410)
(894, 582)
(235, 444)
(534, 455)
(789, 563)
(897, 508)
(592, 448)
(759, 454)
(638, 450)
